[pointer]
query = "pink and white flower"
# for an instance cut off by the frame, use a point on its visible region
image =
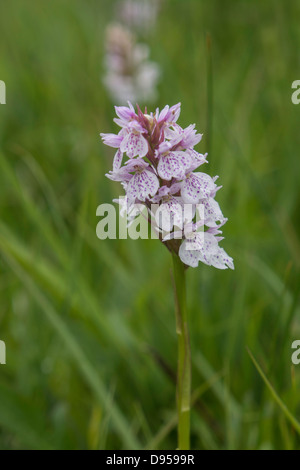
(197, 186)
(134, 144)
(173, 165)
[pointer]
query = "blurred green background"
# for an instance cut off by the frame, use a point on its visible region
(89, 325)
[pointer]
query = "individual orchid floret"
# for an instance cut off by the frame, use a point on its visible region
(171, 211)
(197, 186)
(212, 212)
(134, 144)
(155, 162)
(204, 247)
(125, 114)
(197, 159)
(185, 138)
(144, 182)
(112, 140)
(173, 165)
(168, 115)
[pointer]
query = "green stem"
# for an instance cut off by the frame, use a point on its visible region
(184, 356)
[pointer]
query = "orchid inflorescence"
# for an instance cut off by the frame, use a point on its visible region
(129, 72)
(160, 170)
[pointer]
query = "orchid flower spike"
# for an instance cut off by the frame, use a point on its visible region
(162, 168)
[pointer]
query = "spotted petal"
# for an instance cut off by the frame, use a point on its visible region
(117, 160)
(168, 214)
(212, 212)
(197, 186)
(189, 252)
(200, 247)
(173, 165)
(134, 144)
(221, 260)
(142, 185)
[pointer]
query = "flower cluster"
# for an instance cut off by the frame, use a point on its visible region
(129, 73)
(160, 170)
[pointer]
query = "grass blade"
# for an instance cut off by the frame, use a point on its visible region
(294, 422)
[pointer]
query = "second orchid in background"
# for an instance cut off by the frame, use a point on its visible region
(129, 75)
